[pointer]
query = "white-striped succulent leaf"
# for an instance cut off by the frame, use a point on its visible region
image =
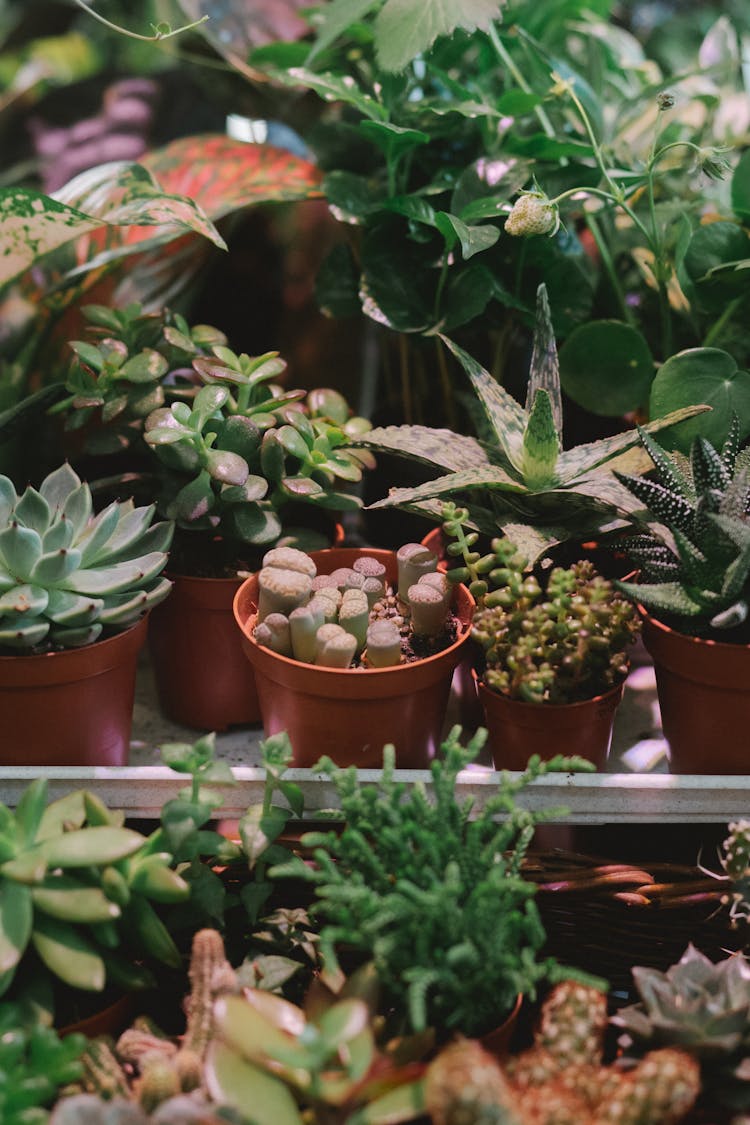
(65, 573)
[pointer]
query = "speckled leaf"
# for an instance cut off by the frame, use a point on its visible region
(334, 88)
(544, 372)
(32, 225)
(443, 449)
(582, 459)
(506, 417)
(541, 444)
(667, 597)
(490, 477)
(24, 599)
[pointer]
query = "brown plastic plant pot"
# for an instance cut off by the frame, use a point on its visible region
(518, 730)
(350, 714)
(73, 707)
(704, 696)
(202, 677)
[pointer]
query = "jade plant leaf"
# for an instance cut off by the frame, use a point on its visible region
(234, 1081)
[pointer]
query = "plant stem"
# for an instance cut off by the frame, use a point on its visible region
(609, 268)
(157, 37)
(502, 53)
(718, 326)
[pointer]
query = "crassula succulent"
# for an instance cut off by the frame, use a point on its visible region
(66, 574)
(352, 615)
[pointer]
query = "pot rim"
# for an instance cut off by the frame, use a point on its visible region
(685, 638)
(567, 708)
(246, 624)
(37, 659)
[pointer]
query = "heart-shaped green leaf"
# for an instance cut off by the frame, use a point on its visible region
(606, 367)
(702, 375)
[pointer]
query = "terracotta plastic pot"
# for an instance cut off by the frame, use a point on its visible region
(350, 714)
(704, 696)
(73, 707)
(517, 730)
(202, 677)
(110, 1020)
(498, 1041)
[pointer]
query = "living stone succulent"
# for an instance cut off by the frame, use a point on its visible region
(695, 563)
(704, 1009)
(67, 575)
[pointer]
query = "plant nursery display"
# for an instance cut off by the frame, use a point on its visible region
(553, 655)
(353, 648)
(75, 591)
(695, 563)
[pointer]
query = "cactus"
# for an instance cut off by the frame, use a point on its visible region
(209, 972)
(735, 860)
(465, 1084)
(328, 618)
(572, 1023)
(67, 575)
(103, 1072)
(695, 562)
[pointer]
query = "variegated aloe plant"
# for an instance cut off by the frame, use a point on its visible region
(529, 487)
(66, 574)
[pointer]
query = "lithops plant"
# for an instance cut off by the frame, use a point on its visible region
(67, 575)
(334, 619)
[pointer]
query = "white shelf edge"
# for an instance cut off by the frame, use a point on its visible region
(590, 798)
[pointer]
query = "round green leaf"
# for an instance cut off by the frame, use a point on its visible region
(711, 247)
(606, 367)
(701, 375)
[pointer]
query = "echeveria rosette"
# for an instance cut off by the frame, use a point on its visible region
(245, 448)
(695, 562)
(66, 575)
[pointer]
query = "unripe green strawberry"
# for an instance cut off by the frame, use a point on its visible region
(532, 213)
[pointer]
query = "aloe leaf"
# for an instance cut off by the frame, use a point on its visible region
(506, 417)
(667, 597)
(33, 511)
(67, 953)
(583, 458)
(16, 915)
(541, 444)
(709, 470)
(232, 1080)
(24, 599)
(101, 845)
(665, 505)
(55, 568)
(440, 448)
(71, 901)
(544, 372)
(490, 477)
(21, 548)
(57, 487)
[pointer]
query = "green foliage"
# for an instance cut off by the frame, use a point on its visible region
(695, 562)
(66, 575)
(74, 886)
(702, 1008)
(34, 1064)
(433, 894)
(562, 643)
(528, 486)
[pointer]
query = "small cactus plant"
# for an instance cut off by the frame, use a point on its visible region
(67, 575)
(561, 644)
(335, 620)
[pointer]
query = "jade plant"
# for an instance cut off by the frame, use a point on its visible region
(35, 1063)
(430, 889)
(562, 1076)
(353, 615)
(67, 576)
(562, 641)
(77, 891)
(695, 558)
(701, 1007)
(528, 486)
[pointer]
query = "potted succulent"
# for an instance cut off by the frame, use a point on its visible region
(553, 653)
(693, 589)
(75, 593)
(353, 648)
(237, 461)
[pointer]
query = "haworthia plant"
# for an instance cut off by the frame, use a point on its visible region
(532, 489)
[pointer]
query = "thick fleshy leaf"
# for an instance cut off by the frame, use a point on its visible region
(16, 914)
(58, 486)
(32, 510)
(541, 444)
(21, 548)
(232, 1080)
(544, 371)
(65, 608)
(113, 579)
(24, 599)
(506, 417)
(490, 477)
(55, 568)
(71, 901)
(99, 845)
(68, 954)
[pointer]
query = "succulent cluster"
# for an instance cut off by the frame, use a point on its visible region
(34, 1064)
(65, 574)
(704, 1009)
(560, 1080)
(695, 562)
(121, 370)
(431, 890)
(559, 644)
(335, 619)
(244, 448)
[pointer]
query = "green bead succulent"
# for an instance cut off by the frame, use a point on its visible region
(34, 1064)
(703, 1008)
(245, 449)
(695, 562)
(67, 575)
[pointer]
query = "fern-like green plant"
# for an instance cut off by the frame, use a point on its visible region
(432, 890)
(695, 561)
(518, 478)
